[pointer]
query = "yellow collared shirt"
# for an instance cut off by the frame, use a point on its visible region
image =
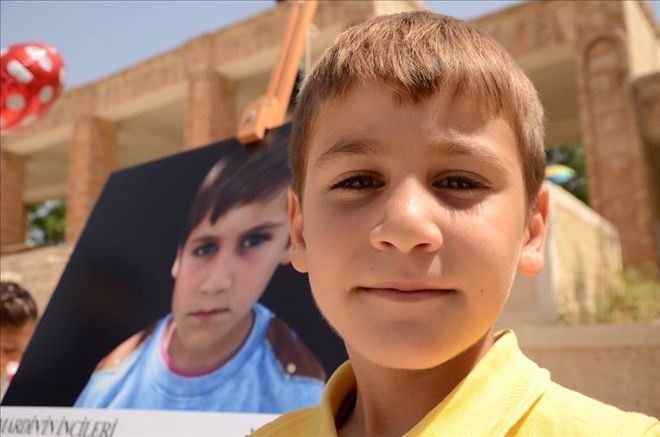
(506, 394)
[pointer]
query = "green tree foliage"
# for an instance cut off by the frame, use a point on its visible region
(573, 156)
(46, 222)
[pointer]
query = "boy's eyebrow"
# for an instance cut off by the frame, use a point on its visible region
(265, 227)
(471, 148)
(357, 146)
(442, 149)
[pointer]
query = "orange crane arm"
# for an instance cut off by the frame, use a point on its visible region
(269, 110)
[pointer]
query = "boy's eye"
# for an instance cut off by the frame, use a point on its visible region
(254, 240)
(459, 189)
(359, 182)
(459, 183)
(205, 249)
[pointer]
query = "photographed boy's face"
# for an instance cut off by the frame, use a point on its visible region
(223, 269)
(412, 225)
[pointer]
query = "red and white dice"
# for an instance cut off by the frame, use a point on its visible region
(32, 77)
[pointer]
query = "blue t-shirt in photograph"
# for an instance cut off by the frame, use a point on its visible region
(273, 372)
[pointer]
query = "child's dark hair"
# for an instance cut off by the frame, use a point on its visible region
(16, 305)
(245, 176)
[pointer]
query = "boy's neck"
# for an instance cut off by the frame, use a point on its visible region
(189, 361)
(379, 409)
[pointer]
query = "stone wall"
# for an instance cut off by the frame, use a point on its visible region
(582, 267)
(12, 211)
(647, 96)
(611, 128)
(587, 255)
(614, 364)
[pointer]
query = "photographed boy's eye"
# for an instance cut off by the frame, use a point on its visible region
(254, 240)
(359, 182)
(205, 249)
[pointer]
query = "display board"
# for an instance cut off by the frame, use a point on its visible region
(119, 279)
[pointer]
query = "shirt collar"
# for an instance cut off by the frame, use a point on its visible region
(174, 385)
(501, 388)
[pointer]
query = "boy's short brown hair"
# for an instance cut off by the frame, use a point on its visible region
(418, 54)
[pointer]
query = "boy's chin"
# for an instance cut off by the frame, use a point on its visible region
(405, 357)
(422, 355)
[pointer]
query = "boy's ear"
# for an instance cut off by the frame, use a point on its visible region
(296, 229)
(532, 255)
(177, 262)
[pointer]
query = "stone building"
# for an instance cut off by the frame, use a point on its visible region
(596, 65)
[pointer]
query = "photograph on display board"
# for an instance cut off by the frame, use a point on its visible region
(179, 295)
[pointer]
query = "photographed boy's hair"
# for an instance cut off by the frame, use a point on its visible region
(245, 176)
(17, 307)
(417, 55)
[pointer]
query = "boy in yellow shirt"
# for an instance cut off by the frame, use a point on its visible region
(417, 158)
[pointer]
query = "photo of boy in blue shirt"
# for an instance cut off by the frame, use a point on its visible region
(220, 350)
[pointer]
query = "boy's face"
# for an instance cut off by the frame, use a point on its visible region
(412, 224)
(13, 341)
(223, 269)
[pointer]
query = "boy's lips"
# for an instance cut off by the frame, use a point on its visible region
(207, 314)
(405, 291)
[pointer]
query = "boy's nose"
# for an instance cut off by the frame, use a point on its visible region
(220, 277)
(408, 222)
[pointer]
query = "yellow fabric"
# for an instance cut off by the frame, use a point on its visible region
(506, 394)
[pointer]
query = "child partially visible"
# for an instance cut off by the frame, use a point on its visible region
(18, 318)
